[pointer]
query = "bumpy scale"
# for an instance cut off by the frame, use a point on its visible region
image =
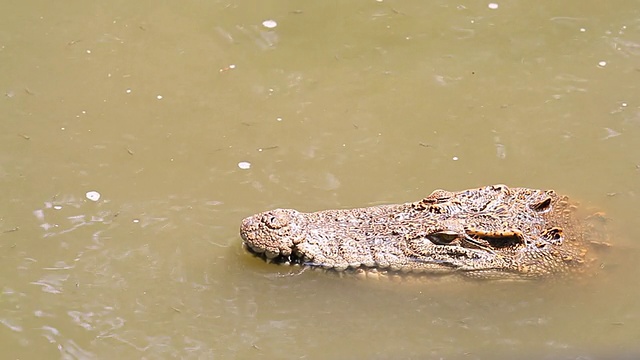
(490, 232)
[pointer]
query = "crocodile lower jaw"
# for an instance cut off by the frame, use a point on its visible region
(278, 259)
(362, 271)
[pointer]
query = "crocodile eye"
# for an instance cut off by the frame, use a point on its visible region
(495, 239)
(443, 237)
(438, 196)
(499, 187)
(541, 206)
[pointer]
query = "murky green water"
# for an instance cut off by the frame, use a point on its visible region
(341, 104)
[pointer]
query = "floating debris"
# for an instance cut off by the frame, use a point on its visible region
(244, 165)
(227, 68)
(267, 148)
(93, 195)
(269, 24)
(611, 133)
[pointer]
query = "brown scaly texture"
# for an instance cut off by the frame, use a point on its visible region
(490, 232)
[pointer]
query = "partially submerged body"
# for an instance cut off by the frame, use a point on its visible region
(490, 232)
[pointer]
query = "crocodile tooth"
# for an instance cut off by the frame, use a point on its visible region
(394, 267)
(371, 274)
(255, 248)
(369, 263)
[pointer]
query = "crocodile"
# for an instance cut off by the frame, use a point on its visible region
(493, 232)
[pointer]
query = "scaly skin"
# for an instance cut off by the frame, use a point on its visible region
(490, 232)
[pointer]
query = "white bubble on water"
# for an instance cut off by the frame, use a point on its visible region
(269, 24)
(93, 195)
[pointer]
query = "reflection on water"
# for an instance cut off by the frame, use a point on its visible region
(333, 106)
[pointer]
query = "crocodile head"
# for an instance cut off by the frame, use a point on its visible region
(490, 232)
(273, 235)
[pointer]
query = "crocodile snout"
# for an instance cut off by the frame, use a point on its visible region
(272, 233)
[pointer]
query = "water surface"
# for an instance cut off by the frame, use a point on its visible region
(341, 104)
